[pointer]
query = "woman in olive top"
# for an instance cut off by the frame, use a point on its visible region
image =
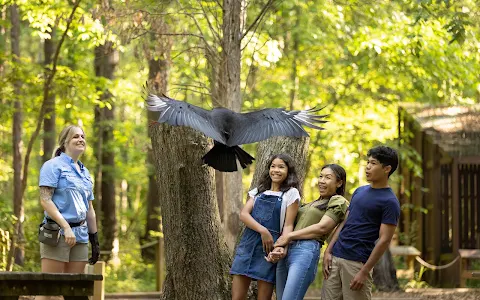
(314, 222)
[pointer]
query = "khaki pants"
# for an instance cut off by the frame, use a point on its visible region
(338, 283)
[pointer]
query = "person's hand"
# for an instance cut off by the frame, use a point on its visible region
(327, 264)
(359, 280)
(267, 241)
(70, 238)
(93, 238)
(277, 254)
(283, 241)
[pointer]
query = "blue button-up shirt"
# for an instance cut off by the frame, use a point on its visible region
(73, 191)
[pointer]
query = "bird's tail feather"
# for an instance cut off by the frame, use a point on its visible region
(243, 157)
(224, 158)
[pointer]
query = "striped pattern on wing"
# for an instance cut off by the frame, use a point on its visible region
(179, 113)
(260, 125)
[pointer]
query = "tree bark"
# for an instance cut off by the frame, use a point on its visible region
(17, 143)
(385, 274)
(197, 256)
(106, 59)
(50, 116)
(159, 65)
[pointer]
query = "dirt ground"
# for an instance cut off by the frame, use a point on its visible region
(437, 294)
(427, 294)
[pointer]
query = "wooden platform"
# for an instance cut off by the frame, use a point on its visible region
(71, 286)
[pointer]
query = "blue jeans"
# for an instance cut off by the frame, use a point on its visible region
(297, 270)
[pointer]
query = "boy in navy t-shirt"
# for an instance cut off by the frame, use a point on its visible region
(373, 215)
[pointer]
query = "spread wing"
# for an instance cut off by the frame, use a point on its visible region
(260, 125)
(179, 113)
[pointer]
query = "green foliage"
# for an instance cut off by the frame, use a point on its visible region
(131, 275)
(417, 282)
(474, 283)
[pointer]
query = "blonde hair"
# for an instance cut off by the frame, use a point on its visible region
(65, 136)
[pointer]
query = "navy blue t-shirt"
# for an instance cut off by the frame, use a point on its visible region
(369, 208)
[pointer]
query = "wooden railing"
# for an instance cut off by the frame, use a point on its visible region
(409, 253)
(467, 256)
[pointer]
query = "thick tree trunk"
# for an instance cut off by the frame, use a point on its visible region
(197, 257)
(227, 93)
(385, 274)
(106, 59)
(50, 116)
(17, 133)
(159, 64)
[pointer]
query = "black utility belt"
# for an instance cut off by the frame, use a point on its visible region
(71, 224)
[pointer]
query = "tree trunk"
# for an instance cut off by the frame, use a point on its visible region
(197, 257)
(106, 58)
(293, 56)
(50, 116)
(297, 148)
(385, 274)
(227, 93)
(159, 64)
(17, 133)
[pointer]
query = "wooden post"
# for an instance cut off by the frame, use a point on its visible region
(455, 215)
(417, 194)
(99, 286)
(159, 261)
(406, 196)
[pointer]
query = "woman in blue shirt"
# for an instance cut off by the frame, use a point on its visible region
(66, 194)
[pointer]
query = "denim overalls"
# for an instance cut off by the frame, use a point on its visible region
(249, 257)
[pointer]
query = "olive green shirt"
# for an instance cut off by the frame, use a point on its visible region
(309, 214)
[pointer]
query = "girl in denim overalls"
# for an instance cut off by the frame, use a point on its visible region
(269, 212)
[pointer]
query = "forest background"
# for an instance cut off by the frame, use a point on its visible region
(84, 62)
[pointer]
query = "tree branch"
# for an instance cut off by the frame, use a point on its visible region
(166, 34)
(214, 32)
(202, 36)
(258, 18)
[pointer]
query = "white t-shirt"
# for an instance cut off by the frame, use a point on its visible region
(288, 198)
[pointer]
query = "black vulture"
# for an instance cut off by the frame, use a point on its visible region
(229, 129)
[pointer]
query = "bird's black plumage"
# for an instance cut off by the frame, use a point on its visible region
(230, 129)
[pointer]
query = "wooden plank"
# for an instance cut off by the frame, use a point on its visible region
(11, 276)
(455, 274)
(469, 159)
(429, 197)
(463, 219)
(455, 207)
(99, 286)
(405, 199)
(404, 250)
(478, 206)
(467, 274)
(471, 200)
(417, 194)
(469, 253)
(47, 288)
(78, 286)
(445, 225)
